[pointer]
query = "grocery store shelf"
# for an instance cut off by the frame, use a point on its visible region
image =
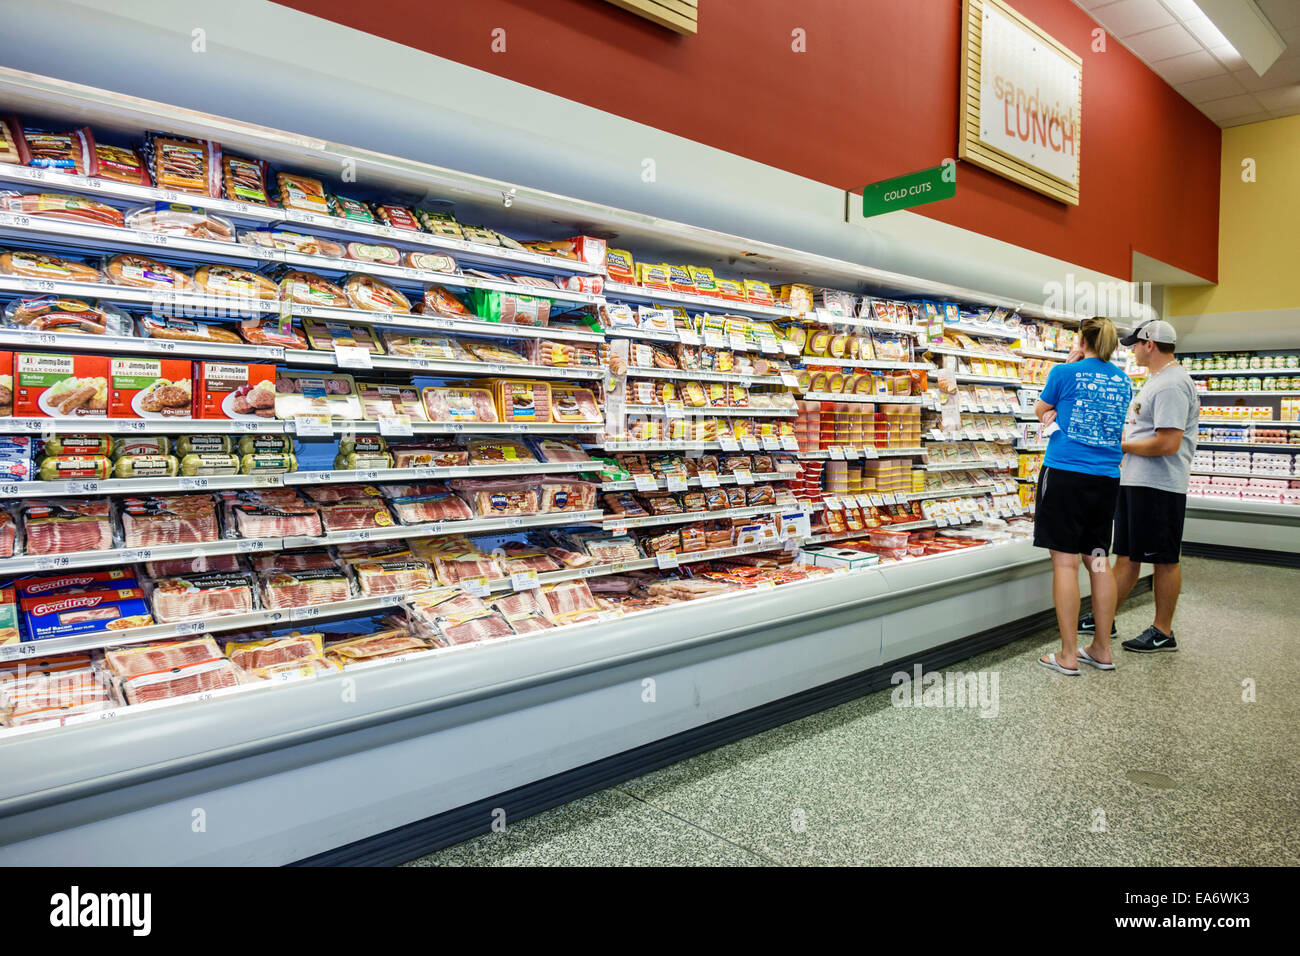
(1270, 446)
(441, 323)
(116, 557)
(439, 473)
(853, 453)
(26, 229)
(1242, 423)
(696, 376)
(815, 361)
(185, 304)
(124, 426)
(391, 363)
(743, 446)
(1012, 357)
(137, 486)
(1231, 372)
(822, 317)
(431, 529)
(1043, 354)
(964, 465)
(641, 564)
(652, 335)
(661, 484)
(107, 189)
(209, 625)
(1244, 474)
(624, 521)
(990, 331)
(623, 292)
(710, 412)
(968, 378)
(1031, 445)
(1244, 507)
(138, 345)
(854, 397)
(1248, 391)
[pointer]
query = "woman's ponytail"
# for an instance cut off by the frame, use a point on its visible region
(1100, 337)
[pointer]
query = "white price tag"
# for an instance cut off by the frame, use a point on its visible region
(789, 348)
(191, 627)
(618, 529)
(714, 341)
(250, 545)
(645, 483)
(519, 427)
(11, 490)
(667, 561)
(268, 481)
(877, 500)
(737, 343)
(851, 454)
(80, 487)
(833, 503)
(743, 476)
(767, 345)
(746, 381)
(313, 426)
(788, 380)
(889, 499)
(687, 337)
(132, 425)
(749, 443)
(524, 581)
(195, 484)
(708, 479)
(863, 501)
(936, 434)
(52, 562)
(789, 443)
(674, 410)
(395, 426)
(477, 587)
(771, 443)
(729, 444)
(676, 483)
(304, 613)
(835, 453)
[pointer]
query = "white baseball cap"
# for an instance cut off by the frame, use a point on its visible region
(1154, 330)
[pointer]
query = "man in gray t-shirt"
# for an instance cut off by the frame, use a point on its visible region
(1159, 443)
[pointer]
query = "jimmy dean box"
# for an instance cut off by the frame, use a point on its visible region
(234, 390)
(9, 633)
(6, 384)
(149, 388)
(60, 386)
(61, 615)
(75, 581)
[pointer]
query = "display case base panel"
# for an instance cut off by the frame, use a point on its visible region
(1262, 539)
(284, 778)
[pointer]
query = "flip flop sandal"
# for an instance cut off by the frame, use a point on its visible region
(1089, 659)
(1057, 667)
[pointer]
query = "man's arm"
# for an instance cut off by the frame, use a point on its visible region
(1164, 442)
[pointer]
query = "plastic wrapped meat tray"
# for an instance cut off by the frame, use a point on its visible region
(178, 519)
(563, 494)
(52, 696)
(202, 595)
(435, 505)
(491, 497)
(67, 525)
(524, 611)
(355, 514)
(459, 618)
(558, 450)
(251, 655)
(392, 576)
(170, 670)
(373, 647)
(319, 586)
(452, 567)
(568, 600)
(459, 404)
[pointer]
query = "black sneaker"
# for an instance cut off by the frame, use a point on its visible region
(1089, 626)
(1150, 641)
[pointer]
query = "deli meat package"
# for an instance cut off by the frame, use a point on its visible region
(574, 404)
(254, 655)
(355, 514)
(456, 559)
(67, 525)
(454, 617)
(499, 497)
(269, 514)
(379, 400)
(566, 494)
(524, 611)
(395, 575)
(569, 601)
(560, 450)
(159, 671)
(459, 404)
(172, 519)
(361, 650)
(216, 594)
(319, 586)
(311, 393)
(434, 502)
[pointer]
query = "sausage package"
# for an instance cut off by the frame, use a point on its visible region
(570, 404)
(379, 400)
(60, 386)
(67, 151)
(185, 165)
(45, 265)
(234, 390)
(141, 272)
(302, 193)
(120, 164)
(55, 313)
(326, 336)
(523, 401)
(445, 404)
(149, 388)
(244, 180)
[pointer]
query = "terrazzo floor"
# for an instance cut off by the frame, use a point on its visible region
(1161, 762)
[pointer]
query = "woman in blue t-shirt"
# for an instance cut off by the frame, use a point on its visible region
(1082, 408)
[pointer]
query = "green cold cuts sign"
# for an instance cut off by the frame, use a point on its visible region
(914, 189)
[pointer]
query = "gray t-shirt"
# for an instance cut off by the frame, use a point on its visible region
(1167, 400)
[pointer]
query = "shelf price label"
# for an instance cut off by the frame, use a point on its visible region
(525, 581)
(743, 476)
(729, 444)
(676, 483)
(667, 561)
(708, 479)
(835, 452)
(738, 343)
(645, 483)
(313, 426)
(687, 337)
(749, 443)
(478, 587)
(771, 443)
(789, 443)
(395, 426)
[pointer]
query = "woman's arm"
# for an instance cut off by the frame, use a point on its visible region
(1044, 412)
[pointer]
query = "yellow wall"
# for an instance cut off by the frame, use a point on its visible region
(1259, 225)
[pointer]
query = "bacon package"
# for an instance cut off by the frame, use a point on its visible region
(570, 404)
(255, 654)
(172, 519)
(202, 595)
(498, 451)
(560, 450)
(272, 517)
(524, 611)
(392, 576)
(498, 497)
(84, 612)
(433, 502)
(67, 525)
(301, 588)
(564, 494)
(355, 514)
(435, 454)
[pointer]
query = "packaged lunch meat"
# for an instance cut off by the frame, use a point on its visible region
(566, 494)
(67, 151)
(177, 219)
(185, 165)
(398, 217)
(373, 295)
(497, 451)
(344, 208)
(291, 242)
(149, 388)
(445, 404)
(438, 301)
(498, 497)
(440, 223)
(141, 272)
(560, 450)
(510, 308)
(302, 588)
(234, 390)
(233, 281)
(373, 252)
(167, 327)
(327, 335)
(67, 525)
(523, 401)
(491, 352)
(43, 265)
(311, 393)
(570, 404)
(431, 261)
(244, 180)
(150, 522)
(215, 594)
(308, 288)
(302, 193)
(379, 401)
(266, 330)
(60, 386)
(433, 347)
(55, 313)
(60, 206)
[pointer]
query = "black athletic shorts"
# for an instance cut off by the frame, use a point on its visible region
(1074, 512)
(1149, 524)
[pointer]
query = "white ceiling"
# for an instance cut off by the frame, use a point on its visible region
(1177, 40)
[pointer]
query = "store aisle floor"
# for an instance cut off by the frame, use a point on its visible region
(1158, 763)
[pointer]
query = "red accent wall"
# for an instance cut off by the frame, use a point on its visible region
(874, 96)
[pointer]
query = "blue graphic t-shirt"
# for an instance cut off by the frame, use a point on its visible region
(1091, 399)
